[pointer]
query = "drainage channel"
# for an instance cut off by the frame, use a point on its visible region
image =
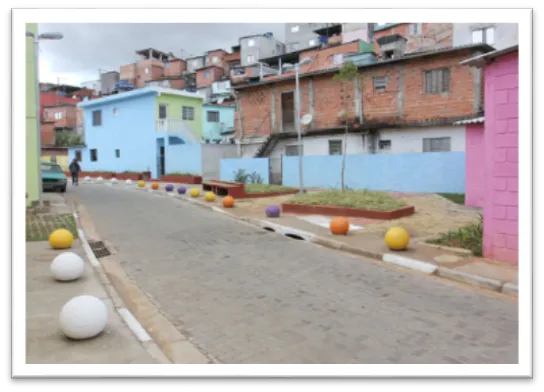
(99, 249)
(290, 235)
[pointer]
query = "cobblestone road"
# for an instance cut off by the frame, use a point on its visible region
(251, 297)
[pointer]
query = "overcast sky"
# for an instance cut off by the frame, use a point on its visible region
(86, 48)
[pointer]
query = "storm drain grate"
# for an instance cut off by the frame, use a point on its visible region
(99, 249)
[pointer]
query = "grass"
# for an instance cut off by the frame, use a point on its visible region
(368, 200)
(263, 188)
(38, 227)
(469, 237)
(458, 198)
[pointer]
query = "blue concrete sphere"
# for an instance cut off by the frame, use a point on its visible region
(182, 190)
(272, 211)
(169, 188)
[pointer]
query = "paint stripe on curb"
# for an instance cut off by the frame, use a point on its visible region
(87, 248)
(510, 289)
(426, 268)
(134, 325)
(475, 280)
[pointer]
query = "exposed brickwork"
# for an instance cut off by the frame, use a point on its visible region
(68, 116)
(501, 160)
(403, 101)
(51, 98)
(433, 36)
(214, 73)
(128, 72)
(175, 67)
(47, 133)
(221, 59)
(148, 70)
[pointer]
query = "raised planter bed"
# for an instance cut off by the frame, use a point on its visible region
(268, 194)
(346, 211)
(128, 176)
(83, 174)
(237, 190)
(181, 179)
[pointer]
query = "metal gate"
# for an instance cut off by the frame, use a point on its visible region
(275, 166)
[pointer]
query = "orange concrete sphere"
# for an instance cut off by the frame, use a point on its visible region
(339, 226)
(155, 186)
(228, 202)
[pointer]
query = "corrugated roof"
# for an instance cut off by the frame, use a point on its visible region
(483, 58)
(137, 93)
(476, 120)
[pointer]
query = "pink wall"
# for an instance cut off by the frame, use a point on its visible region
(501, 159)
(475, 165)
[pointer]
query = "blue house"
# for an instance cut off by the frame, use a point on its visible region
(140, 130)
(218, 122)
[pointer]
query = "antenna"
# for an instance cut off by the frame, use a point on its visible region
(306, 119)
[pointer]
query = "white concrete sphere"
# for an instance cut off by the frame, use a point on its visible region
(87, 179)
(83, 317)
(128, 181)
(114, 180)
(67, 266)
(99, 179)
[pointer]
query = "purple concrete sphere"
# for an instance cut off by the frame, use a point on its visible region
(272, 211)
(169, 188)
(182, 190)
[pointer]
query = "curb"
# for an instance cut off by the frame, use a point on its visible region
(390, 258)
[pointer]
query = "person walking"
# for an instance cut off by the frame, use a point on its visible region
(74, 170)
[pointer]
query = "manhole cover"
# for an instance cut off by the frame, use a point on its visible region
(99, 249)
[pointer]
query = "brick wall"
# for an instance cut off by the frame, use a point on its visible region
(221, 56)
(47, 133)
(501, 160)
(433, 36)
(69, 117)
(128, 72)
(215, 73)
(403, 101)
(50, 98)
(175, 67)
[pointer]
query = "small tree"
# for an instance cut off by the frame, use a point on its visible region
(67, 139)
(346, 75)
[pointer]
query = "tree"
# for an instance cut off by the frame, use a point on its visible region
(67, 139)
(346, 75)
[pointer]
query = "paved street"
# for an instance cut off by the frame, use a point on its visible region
(248, 296)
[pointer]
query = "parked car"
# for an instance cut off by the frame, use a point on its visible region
(53, 177)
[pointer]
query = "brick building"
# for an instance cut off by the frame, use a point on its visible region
(63, 115)
(419, 36)
(207, 75)
(150, 66)
(394, 105)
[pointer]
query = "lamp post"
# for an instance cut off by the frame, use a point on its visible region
(296, 66)
(36, 39)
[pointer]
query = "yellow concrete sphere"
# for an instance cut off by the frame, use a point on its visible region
(61, 239)
(209, 196)
(141, 184)
(397, 238)
(195, 192)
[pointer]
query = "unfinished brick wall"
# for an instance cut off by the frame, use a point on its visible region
(47, 133)
(403, 101)
(214, 72)
(433, 36)
(175, 67)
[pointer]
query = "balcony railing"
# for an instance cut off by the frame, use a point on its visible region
(180, 126)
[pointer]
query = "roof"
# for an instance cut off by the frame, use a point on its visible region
(385, 26)
(476, 120)
(328, 30)
(60, 104)
(207, 66)
(482, 59)
(137, 93)
(145, 52)
(409, 56)
(288, 55)
(194, 57)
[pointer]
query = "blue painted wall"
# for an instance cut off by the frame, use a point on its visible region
(211, 130)
(422, 172)
(132, 131)
(184, 158)
(230, 166)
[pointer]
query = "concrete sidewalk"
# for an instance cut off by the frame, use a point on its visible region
(45, 297)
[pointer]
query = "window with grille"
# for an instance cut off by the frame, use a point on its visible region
(187, 113)
(380, 83)
(437, 144)
(213, 116)
(163, 111)
(97, 117)
(335, 147)
(414, 29)
(292, 150)
(94, 155)
(437, 81)
(384, 145)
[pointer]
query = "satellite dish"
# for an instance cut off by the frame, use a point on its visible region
(306, 119)
(220, 101)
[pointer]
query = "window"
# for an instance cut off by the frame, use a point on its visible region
(437, 144)
(437, 81)
(251, 42)
(187, 113)
(207, 74)
(414, 29)
(53, 159)
(163, 111)
(213, 116)
(250, 59)
(195, 63)
(97, 118)
(338, 59)
(384, 145)
(146, 70)
(168, 64)
(58, 116)
(380, 83)
(335, 147)
(215, 59)
(294, 46)
(78, 155)
(94, 155)
(486, 35)
(115, 112)
(312, 42)
(292, 150)
(117, 153)
(295, 29)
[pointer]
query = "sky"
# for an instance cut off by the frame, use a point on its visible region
(86, 48)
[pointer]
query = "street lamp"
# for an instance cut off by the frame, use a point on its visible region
(36, 39)
(296, 66)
